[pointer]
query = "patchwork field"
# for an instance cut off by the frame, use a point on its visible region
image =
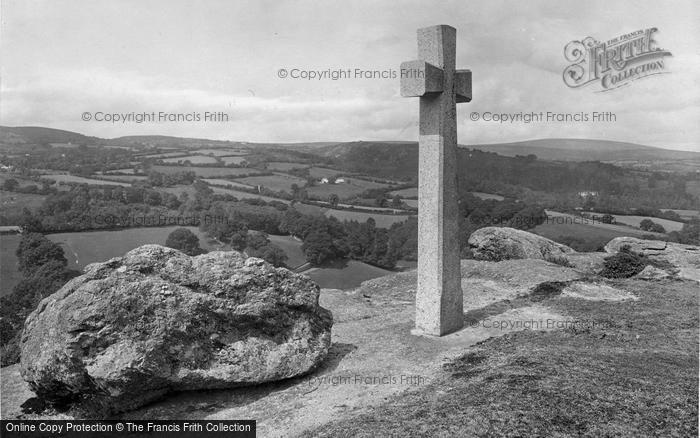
(276, 182)
(194, 159)
(233, 160)
(12, 203)
(285, 166)
(125, 178)
(129, 171)
(353, 187)
(688, 214)
(561, 228)
(60, 178)
(482, 195)
(382, 220)
(245, 195)
(225, 182)
(636, 220)
(323, 172)
(693, 187)
(208, 172)
(221, 152)
(165, 155)
(412, 192)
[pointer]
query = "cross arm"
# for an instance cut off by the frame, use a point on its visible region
(463, 86)
(419, 78)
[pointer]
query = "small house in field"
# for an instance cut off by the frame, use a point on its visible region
(340, 181)
(323, 181)
(587, 194)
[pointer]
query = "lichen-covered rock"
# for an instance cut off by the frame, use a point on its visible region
(156, 320)
(683, 260)
(503, 243)
(652, 273)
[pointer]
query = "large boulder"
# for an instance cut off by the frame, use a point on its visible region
(684, 260)
(136, 327)
(503, 243)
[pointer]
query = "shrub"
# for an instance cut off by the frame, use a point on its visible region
(626, 263)
(559, 260)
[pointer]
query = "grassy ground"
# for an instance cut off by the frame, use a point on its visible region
(345, 274)
(630, 371)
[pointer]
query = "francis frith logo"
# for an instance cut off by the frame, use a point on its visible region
(614, 63)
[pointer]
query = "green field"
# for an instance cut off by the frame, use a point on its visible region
(221, 152)
(688, 214)
(95, 246)
(276, 182)
(345, 274)
(324, 172)
(164, 155)
(353, 187)
(194, 159)
(291, 246)
(411, 192)
(285, 166)
(60, 178)
(12, 203)
(207, 172)
(127, 171)
(693, 188)
(482, 195)
(634, 221)
(226, 182)
(233, 160)
(594, 236)
(125, 178)
(245, 195)
(382, 220)
(89, 247)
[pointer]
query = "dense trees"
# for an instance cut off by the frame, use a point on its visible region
(44, 270)
(184, 240)
(649, 225)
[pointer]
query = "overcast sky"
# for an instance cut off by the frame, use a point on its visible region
(59, 59)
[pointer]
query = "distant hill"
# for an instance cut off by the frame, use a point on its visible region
(39, 135)
(574, 149)
(558, 149)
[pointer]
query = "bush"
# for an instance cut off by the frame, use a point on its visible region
(559, 260)
(626, 263)
(184, 240)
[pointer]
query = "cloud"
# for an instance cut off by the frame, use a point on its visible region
(224, 56)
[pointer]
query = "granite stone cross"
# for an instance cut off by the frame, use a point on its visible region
(433, 78)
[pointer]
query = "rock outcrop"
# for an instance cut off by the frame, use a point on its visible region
(683, 260)
(503, 243)
(136, 327)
